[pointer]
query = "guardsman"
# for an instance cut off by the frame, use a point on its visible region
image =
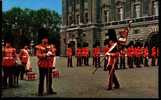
(85, 54)
(138, 56)
(145, 55)
(105, 49)
(78, 54)
(45, 63)
(97, 56)
(153, 55)
(113, 55)
(9, 63)
(122, 58)
(24, 58)
(130, 55)
(69, 56)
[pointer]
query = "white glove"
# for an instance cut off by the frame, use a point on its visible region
(49, 53)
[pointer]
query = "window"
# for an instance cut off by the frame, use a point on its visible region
(137, 11)
(86, 17)
(77, 19)
(155, 8)
(105, 16)
(121, 13)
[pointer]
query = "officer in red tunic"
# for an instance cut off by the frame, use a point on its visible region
(24, 57)
(113, 55)
(145, 55)
(9, 62)
(45, 63)
(78, 54)
(69, 56)
(105, 49)
(153, 55)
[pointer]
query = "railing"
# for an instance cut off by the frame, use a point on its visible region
(134, 20)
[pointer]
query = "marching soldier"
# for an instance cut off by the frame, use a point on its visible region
(153, 55)
(78, 54)
(45, 63)
(112, 54)
(24, 58)
(93, 52)
(145, 55)
(106, 48)
(9, 63)
(69, 56)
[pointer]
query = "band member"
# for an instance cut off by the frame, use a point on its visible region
(112, 54)
(106, 48)
(9, 62)
(69, 56)
(25, 61)
(45, 63)
(153, 55)
(122, 58)
(78, 54)
(145, 55)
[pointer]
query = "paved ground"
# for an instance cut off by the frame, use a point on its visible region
(79, 82)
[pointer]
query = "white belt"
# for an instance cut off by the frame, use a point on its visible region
(8, 57)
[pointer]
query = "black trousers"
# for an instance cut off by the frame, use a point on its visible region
(130, 61)
(122, 62)
(23, 71)
(85, 60)
(153, 61)
(97, 62)
(105, 63)
(112, 78)
(69, 62)
(79, 61)
(146, 61)
(8, 79)
(138, 61)
(45, 72)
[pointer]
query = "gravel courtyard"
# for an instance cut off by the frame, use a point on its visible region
(79, 82)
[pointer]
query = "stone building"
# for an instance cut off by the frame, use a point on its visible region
(89, 20)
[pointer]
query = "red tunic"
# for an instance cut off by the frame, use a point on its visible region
(43, 61)
(69, 52)
(154, 52)
(78, 53)
(145, 52)
(130, 52)
(97, 52)
(9, 57)
(85, 52)
(138, 52)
